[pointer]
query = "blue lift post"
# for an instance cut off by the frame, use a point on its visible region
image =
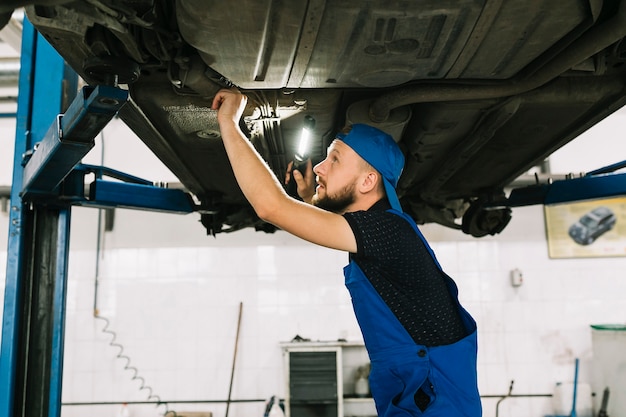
(47, 180)
(34, 300)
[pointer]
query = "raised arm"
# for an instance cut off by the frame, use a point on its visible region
(264, 191)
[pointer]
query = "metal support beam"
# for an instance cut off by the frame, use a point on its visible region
(588, 187)
(128, 192)
(31, 368)
(47, 181)
(70, 138)
(40, 356)
(111, 194)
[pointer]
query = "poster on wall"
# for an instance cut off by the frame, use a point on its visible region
(587, 229)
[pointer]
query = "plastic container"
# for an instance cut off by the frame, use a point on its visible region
(609, 366)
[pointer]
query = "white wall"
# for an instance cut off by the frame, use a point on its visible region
(172, 295)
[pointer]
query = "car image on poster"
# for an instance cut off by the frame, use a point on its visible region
(592, 225)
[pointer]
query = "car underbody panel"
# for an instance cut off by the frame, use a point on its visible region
(475, 92)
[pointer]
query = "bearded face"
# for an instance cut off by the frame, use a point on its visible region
(337, 178)
(337, 202)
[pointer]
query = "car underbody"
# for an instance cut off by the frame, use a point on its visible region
(475, 92)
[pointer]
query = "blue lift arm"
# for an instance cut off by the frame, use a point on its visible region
(600, 183)
(489, 215)
(128, 192)
(70, 138)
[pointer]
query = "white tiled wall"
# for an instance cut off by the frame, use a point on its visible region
(175, 311)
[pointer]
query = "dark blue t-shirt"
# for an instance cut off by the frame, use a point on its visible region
(400, 268)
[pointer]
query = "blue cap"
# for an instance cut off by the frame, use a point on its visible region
(379, 150)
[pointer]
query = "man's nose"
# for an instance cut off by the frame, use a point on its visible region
(319, 167)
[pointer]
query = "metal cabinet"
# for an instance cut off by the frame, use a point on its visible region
(320, 379)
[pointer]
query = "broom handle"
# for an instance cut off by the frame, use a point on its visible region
(232, 371)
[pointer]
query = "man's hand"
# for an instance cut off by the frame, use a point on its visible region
(305, 183)
(264, 191)
(230, 105)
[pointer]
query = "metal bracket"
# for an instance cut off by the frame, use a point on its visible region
(53, 172)
(600, 183)
(129, 192)
(70, 138)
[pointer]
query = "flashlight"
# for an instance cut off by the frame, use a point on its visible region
(302, 153)
(305, 138)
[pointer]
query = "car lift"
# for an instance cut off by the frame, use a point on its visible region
(48, 179)
(490, 216)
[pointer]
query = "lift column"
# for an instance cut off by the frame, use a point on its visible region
(31, 354)
(48, 179)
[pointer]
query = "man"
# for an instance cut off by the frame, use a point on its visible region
(421, 342)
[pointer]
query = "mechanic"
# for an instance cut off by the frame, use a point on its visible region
(421, 342)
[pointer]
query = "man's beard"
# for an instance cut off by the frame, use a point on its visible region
(337, 203)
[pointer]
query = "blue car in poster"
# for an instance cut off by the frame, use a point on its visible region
(592, 225)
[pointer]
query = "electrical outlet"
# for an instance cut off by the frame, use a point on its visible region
(517, 279)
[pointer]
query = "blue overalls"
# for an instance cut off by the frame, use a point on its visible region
(400, 367)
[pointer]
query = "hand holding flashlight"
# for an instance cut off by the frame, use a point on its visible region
(303, 184)
(300, 168)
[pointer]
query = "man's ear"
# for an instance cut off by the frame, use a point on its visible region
(369, 182)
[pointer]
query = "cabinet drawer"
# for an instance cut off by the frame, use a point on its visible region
(313, 376)
(313, 391)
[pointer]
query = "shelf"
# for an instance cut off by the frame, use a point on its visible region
(357, 399)
(359, 407)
